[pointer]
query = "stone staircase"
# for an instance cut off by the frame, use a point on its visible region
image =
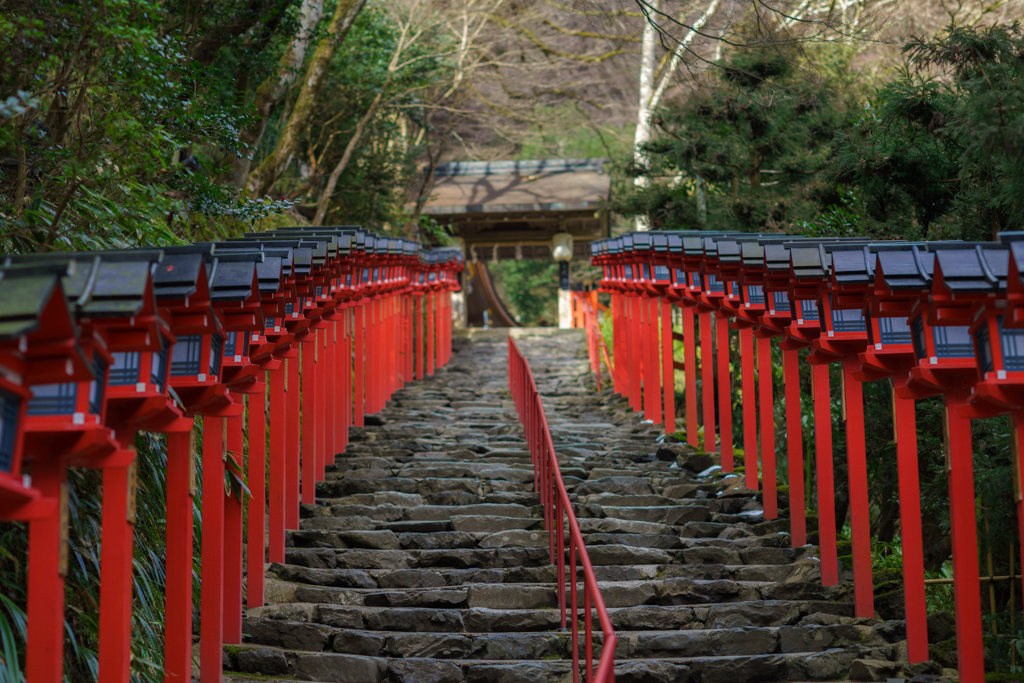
(425, 559)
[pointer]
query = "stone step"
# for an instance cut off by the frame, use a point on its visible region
(549, 645)
(354, 587)
(760, 614)
(706, 669)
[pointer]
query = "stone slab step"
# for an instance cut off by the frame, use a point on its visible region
(711, 669)
(549, 645)
(757, 613)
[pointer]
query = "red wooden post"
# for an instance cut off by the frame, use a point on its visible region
(320, 405)
(910, 528)
(690, 377)
(707, 373)
(618, 358)
(794, 449)
(233, 535)
(418, 303)
(309, 422)
(749, 407)
(278, 463)
(1018, 482)
(964, 530)
(667, 364)
(116, 563)
(724, 397)
(653, 376)
(292, 438)
(431, 314)
(369, 357)
(330, 373)
(256, 477)
(211, 601)
(358, 389)
(826, 483)
(178, 589)
(767, 401)
(47, 567)
(857, 468)
(632, 355)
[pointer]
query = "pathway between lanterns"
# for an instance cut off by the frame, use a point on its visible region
(425, 558)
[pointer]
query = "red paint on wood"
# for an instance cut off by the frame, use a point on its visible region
(211, 600)
(826, 483)
(256, 476)
(857, 468)
(178, 589)
(749, 407)
(690, 378)
(964, 531)
(707, 374)
(278, 465)
(292, 445)
(116, 572)
(233, 538)
(667, 366)
(767, 404)
(724, 398)
(794, 449)
(910, 528)
(45, 642)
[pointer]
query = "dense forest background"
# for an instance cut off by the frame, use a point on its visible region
(126, 122)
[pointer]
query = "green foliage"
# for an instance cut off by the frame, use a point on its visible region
(110, 103)
(530, 288)
(938, 153)
(755, 135)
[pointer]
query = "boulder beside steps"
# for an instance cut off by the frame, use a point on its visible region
(425, 559)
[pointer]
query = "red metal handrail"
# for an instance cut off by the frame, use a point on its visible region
(548, 483)
(585, 309)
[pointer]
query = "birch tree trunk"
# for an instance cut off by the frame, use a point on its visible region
(263, 178)
(270, 92)
(650, 95)
(648, 46)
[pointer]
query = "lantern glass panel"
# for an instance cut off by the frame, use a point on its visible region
(216, 349)
(952, 342)
(158, 369)
(714, 285)
(755, 294)
(53, 399)
(661, 273)
(848, 320)
(237, 344)
(628, 270)
(125, 368)
(99, 368)
(781, 300)
(1012, 342)
(289, 308)
(894, 331)
(10, 406)
(680, 277)
(808, 310)
(186, 356)
(984, 348)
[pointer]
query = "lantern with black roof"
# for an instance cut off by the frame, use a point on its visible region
(808, 274)
(1008, 389)
(753, 304)
(773, 321)
(843, 301)
(965, 276)
(902, 274)
(650, 312)
(39, 346)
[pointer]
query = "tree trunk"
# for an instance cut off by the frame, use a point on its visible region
(702, 201)
(643, 115)
(350, 148)
(270, 91)
(263, 178)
